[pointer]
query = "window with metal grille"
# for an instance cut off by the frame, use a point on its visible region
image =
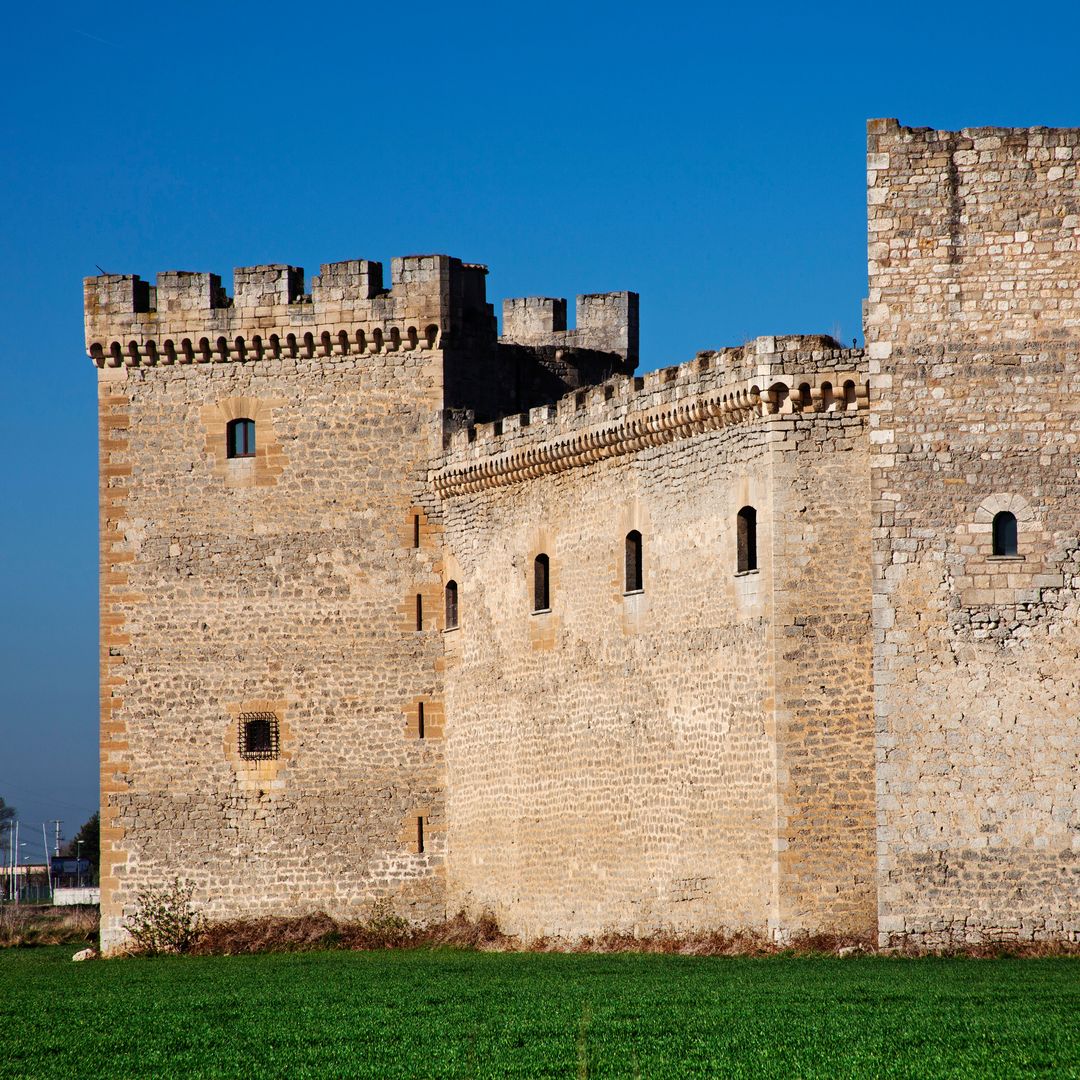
(746, 539)
(258, 736)
(1005, 536)
(240, 435)
(633, 578)
(451, 605)
(541, 583)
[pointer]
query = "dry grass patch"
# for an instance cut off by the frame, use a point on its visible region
(30, 924)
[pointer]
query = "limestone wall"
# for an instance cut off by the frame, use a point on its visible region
(972, 333)
(285, 583)
(613, 761)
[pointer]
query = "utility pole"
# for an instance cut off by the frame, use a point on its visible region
(16, 861)
(48, 861)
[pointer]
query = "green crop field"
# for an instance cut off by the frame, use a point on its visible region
(449, 1013)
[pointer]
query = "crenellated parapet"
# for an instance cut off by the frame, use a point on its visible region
(769, 377)
(189, 317)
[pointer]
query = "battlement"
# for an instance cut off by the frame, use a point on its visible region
(606, 322)
(770, 376)
(128, 320)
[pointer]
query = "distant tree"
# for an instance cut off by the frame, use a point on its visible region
(7, 816)
(90, 846)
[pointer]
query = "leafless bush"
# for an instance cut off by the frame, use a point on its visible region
(165, 920)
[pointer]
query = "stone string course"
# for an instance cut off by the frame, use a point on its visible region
(872, 732)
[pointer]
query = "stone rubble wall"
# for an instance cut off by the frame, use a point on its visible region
(972, 332)
(658, 759)
(283, 583)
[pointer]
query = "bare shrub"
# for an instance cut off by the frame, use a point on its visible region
(165, 920)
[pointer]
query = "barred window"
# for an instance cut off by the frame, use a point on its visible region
(258, 736)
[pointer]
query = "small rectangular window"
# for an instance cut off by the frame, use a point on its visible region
(258, 736)
(419, 611)
(416, 530)
(420, 836)
(420, 720)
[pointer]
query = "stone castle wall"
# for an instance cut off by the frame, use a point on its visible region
(655, 758)
(971, 327)
(285, 583)
(872, 729)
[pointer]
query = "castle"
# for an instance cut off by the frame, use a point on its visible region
(783, 638)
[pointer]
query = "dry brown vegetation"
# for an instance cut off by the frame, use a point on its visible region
(386, 930)
(30, 924)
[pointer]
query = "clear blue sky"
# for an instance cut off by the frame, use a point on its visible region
(709, 158)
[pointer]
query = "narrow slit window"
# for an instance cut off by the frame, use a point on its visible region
(1005, 533)
(416, 530)
(240, 436)
(419, 611)
(746, 539)
(420, 836)
(451, 605)
(420, 720)
(633, 577)
(541, 583)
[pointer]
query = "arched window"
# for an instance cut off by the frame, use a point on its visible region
(451, 605)
(541, 583)
(746, 539)
(633, 579)
(241, 438)
(1004, 533)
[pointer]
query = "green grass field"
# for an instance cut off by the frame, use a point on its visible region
(448, 1013)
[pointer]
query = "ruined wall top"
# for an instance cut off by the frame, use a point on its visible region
(430, 297)
(973, 235)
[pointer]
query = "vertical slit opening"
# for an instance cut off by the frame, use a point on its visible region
(419, 612)
(420, 836)
(420, 720)
(746, 539)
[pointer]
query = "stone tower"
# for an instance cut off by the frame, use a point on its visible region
(973, 332)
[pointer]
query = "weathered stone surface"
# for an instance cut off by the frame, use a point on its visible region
(873, 728)
(974, 309)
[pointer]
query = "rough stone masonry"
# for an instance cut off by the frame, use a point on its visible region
(783, 638)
